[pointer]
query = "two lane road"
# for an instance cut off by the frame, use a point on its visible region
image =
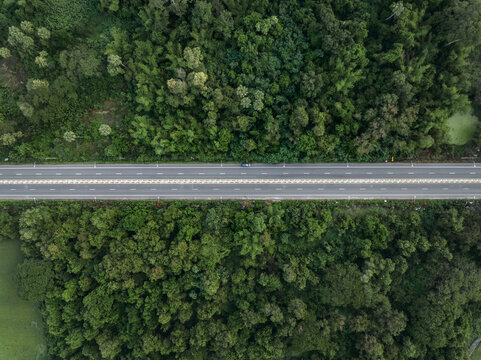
(231, 181)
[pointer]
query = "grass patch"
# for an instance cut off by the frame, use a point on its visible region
(21, 333)
(461, 128)
(476, 354)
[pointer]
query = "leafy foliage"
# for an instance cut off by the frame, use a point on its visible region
(211, 280)
(261, 80)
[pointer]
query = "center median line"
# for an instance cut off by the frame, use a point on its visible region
(233, 181)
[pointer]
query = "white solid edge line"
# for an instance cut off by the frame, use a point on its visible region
(274, 166)
(287, 196)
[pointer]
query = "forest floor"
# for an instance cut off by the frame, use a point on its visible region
(21, 334)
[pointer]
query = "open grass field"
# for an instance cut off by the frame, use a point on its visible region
(21, 335)
(462, 128)
(476, 354)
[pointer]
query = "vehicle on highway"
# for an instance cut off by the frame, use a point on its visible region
(246, 165)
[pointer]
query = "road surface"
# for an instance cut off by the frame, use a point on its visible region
(231, 181)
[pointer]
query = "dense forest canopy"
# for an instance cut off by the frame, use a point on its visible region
(234, 79)
(240, 280)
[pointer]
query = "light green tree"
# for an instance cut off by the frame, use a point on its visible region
(19, 40)
(41, 59)
(245, 103)
(115, 65)
(4, 52)
(397, 9)
(27, 27)
(198, 79)
(193, 57)
(25, 108)
(37, 84)
(241, 91)
(43, 33)
(10, 138)
(69, 136)
(177, 86)
(105, 130)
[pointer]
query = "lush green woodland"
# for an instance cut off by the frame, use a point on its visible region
(234, 79)
(239, 280)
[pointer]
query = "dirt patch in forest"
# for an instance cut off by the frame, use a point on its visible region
(12, 73)
(110, 112)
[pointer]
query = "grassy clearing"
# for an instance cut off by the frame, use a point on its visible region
(476, 354)
(21, 333)
(462, 127)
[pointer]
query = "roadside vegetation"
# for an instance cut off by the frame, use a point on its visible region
(252, 280)
(234, 80)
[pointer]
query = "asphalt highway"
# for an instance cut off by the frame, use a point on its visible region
(231, 181)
